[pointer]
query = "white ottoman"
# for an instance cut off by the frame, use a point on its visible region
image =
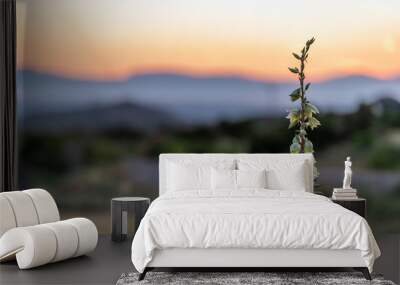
(31, 232)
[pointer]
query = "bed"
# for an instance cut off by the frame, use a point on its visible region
(246, 211)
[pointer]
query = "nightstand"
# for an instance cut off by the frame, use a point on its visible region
(358, 206)
(121, 209)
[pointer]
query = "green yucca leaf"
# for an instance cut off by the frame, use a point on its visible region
(310, 41)
(296, 139)
(313, 123)
(295, 95)
(312, 108)
(296, 56)
(302, 133)
(294, 117)
(295, 148)
(308, 146)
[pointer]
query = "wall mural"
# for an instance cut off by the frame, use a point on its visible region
(105, 86)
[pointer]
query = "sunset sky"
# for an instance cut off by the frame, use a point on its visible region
(104, 39)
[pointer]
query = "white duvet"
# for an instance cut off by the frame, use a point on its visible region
(250, 219)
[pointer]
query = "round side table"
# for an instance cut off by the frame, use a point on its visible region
(121, 209)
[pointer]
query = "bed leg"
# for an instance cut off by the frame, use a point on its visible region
(143, 274)
(364, 271)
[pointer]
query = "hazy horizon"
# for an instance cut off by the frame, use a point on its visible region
(205, 76)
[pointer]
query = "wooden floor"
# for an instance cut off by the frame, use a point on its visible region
(110, 260)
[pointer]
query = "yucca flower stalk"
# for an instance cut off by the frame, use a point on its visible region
(303, 118)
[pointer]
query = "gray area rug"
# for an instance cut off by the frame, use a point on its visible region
(229, 278)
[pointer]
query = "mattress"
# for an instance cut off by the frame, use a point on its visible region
(250, 219)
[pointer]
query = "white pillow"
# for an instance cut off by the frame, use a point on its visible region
(189, 177)
(251, 178)
(281, 175)
(193, 174)
(223, 179)
(226, 179)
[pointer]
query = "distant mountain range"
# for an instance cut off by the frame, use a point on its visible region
(99, 118)
(155, 99)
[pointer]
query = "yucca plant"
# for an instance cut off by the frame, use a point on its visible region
(304, 117)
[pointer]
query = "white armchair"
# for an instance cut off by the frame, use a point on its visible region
(31, 230)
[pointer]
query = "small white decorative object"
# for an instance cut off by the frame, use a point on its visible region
(348, 173)
(346, 192)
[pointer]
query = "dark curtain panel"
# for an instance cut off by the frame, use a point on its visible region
(8, 148)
